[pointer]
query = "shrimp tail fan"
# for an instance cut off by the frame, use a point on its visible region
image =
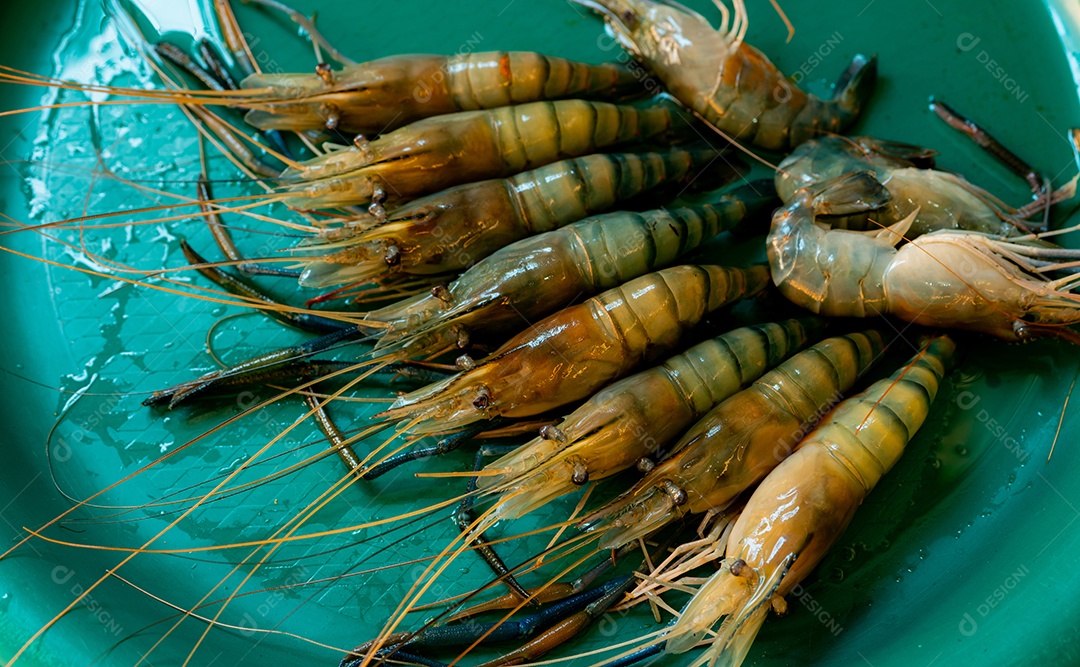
(856, 192)
(856, 85)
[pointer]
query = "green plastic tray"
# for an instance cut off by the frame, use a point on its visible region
(965, 554)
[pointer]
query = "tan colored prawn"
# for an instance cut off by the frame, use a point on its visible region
(803, 506)
(727, 82)
(954, 279)
(382, 95)
(573, 353)
(945, 201)
(436, 153)
(739, 441)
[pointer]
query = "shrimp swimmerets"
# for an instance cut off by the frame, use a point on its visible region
(571, 354)
(803, 506)
(436, 153)
(537, 276)
(739, 441)
(729, 83)
(640, 415)
(382, 95)
(956, 279)
(453, 229)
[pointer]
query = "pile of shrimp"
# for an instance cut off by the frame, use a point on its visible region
(509, 259)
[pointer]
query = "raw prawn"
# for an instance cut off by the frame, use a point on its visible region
(571, 354)
(803, 506)
(638, 416)
(382, 95)
(956, 279)
(729, 83)
(537, 276)
(436, 153)
(453, 229)
(945, 201)
(739, 441)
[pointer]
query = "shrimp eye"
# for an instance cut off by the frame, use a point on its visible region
(581, 473)
(392, 257)
(462, 340)
(677, 495)
(552, 432)
(483, 398)
(739, 569)
(325, 73)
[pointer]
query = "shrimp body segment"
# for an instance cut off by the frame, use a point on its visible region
(573, 353)
(641, 414)
(944, 201)
(453, 229)
(730, 83)
(739, 441)
(537, 276)
(436, 153)
(956, 279)
(382, 95)
(803, 506)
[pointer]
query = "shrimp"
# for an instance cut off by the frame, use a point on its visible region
(501, 295)
(740, 440)
(382, 95)
(639, 415)
(453, 229)
(956, 279)
(571, 354)
(436, 153)
(945, 201)
(803, 506)
(534, 277)
(727, 82)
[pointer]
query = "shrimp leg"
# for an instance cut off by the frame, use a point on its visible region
(218, 79)
(561, 620)
(549, 592)
(302, 321)
(466, 517)
(1039, 183)
(224, 240)
(444, 446)
(251, 370)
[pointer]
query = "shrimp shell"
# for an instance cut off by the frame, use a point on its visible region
(382, 95)
(537, 276)
(739, 441)
(571, 354)
(802, 507)
(641, 414)
(454, 229)
(436, 153)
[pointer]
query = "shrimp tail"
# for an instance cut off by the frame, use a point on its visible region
(852, 193)
(737, 593)
(854, 87)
